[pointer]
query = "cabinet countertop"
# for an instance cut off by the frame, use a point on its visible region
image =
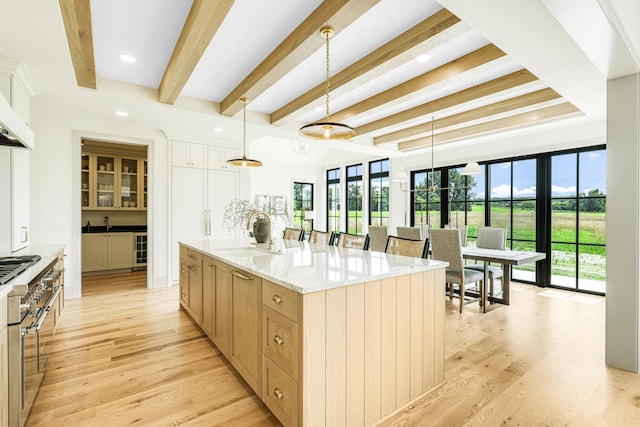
(306, 268)
(115, 229)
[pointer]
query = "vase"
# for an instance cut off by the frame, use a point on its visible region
(262, 230)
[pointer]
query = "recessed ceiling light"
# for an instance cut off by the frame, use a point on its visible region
(423, 58)
(122, 113)
(218, 129)
(127, 58)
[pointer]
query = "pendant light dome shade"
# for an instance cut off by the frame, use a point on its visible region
(244, 162)
(326, 129)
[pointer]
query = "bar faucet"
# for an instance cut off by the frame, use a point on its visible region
(106, 222)
(254, 214)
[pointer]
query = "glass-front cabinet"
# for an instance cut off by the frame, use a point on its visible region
(85, 178)
(113, 182)
(128, 183)
(105, 181)
(144, 183)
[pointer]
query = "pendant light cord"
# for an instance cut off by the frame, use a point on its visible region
(327, 34)
(433, 176)
(244, 127)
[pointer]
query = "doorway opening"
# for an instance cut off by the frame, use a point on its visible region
(114, 180)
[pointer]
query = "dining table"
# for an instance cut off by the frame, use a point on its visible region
(507, 258)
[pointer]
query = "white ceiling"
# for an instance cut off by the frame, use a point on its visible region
(551, 38)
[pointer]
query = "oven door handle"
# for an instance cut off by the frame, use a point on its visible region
(44, 311)
(53, 298)
(34, 328)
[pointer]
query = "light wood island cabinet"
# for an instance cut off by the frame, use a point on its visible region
(246, 292)
(348, 355)
(191, 283)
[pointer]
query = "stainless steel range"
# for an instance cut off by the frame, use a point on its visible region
(12, 266)
(30, 327)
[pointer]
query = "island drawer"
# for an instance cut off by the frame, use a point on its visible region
(193, 257)
(279, 393)
(281, 299)
(280, 341)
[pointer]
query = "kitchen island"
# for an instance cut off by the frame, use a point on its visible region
(324, 335)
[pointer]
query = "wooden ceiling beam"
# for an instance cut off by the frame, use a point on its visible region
(298, 46)
(410, 88)
(424, 129)
(538, 116)
(76, 16)
(491, 87)
(390, 55)
(201, 25)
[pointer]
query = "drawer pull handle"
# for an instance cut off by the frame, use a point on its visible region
(278, 394)
(192, 256)
(209, 264)
(277, 299)
(240, 275)
(278, 340)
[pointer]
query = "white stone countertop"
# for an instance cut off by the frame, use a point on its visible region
(305, 267)
(47, 253)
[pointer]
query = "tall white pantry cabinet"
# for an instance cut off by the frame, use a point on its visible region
(18, 87)
(201, 186)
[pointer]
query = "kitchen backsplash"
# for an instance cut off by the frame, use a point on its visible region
(115, 218)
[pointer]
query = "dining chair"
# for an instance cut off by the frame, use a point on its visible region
(409, 233)
(407, 247)
(445, 246)
(377, 238)
(354, 241)
(463, 232)
(320, 237)
(293, 234)
(491, 238)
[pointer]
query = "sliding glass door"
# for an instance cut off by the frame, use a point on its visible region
(578, 214)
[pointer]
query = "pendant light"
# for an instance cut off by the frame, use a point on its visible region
(244, 162)
(327, 129)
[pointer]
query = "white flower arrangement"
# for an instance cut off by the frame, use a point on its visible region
(237, 213)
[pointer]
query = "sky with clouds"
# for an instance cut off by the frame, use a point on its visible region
(564, 179)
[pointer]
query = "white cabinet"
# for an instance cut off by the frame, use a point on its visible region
(218, 156)
(20, 198)
(188, 155)
(198, 200)
(188, 206)
(222, 187)
(18, 87)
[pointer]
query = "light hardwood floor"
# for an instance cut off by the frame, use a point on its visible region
(126, 355)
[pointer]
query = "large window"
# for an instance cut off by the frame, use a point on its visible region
(425, 205)
(302, 202)
(551, 202)
(379, 192)
(333, 200)
(354, 199)
(512, 205)
(466, 201)
(578, 213)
